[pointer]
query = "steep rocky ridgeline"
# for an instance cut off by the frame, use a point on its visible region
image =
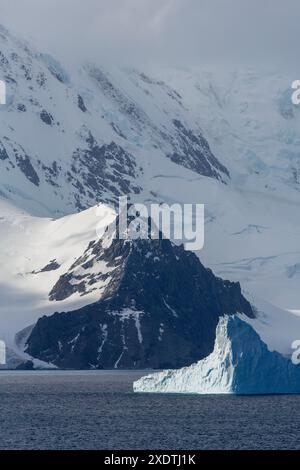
(192, 151)
(159, 307)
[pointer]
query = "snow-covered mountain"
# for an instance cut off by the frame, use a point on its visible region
(240, 363)
(71, 138)
(250, 121)
(158, 307)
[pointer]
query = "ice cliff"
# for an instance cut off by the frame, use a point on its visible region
(240, 364)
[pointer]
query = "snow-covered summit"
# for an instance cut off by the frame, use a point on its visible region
(157, 307)
(240, 363)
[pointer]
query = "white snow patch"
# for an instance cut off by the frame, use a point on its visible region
(170, 308)
(104, 339)
(131, 314)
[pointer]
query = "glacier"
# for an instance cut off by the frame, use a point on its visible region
(240, 363)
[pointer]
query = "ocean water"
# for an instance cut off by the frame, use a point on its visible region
(98, 410)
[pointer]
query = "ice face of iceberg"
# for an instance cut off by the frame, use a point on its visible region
(240, 364)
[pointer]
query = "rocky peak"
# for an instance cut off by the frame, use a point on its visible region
(158, 306)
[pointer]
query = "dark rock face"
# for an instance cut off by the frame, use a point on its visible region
(46, 117)
(159, 309)
(22, 108)
(20, 160)
(3, 152)
(52, 266)
(64, 287)
(27, 168)
(193, 152)
(81, 104)
(103, 172)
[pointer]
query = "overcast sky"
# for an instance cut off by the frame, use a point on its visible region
(187, 32)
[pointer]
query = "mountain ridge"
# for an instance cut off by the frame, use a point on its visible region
(73, 139)
(159, 306)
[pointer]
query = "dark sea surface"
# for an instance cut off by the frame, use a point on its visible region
(98, 410)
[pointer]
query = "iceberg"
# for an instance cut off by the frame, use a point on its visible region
(240, 363)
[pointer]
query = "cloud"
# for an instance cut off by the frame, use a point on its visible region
(166, 31)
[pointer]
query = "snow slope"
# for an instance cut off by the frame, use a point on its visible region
(70, 139)
(240, 363)
(28, 246)
(248, 118)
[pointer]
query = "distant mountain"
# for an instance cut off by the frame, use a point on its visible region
(159, 308)
(69, 140)
(240, 363)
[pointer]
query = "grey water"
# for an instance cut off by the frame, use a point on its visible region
(98, 410)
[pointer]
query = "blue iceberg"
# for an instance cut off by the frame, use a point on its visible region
(241, 363)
